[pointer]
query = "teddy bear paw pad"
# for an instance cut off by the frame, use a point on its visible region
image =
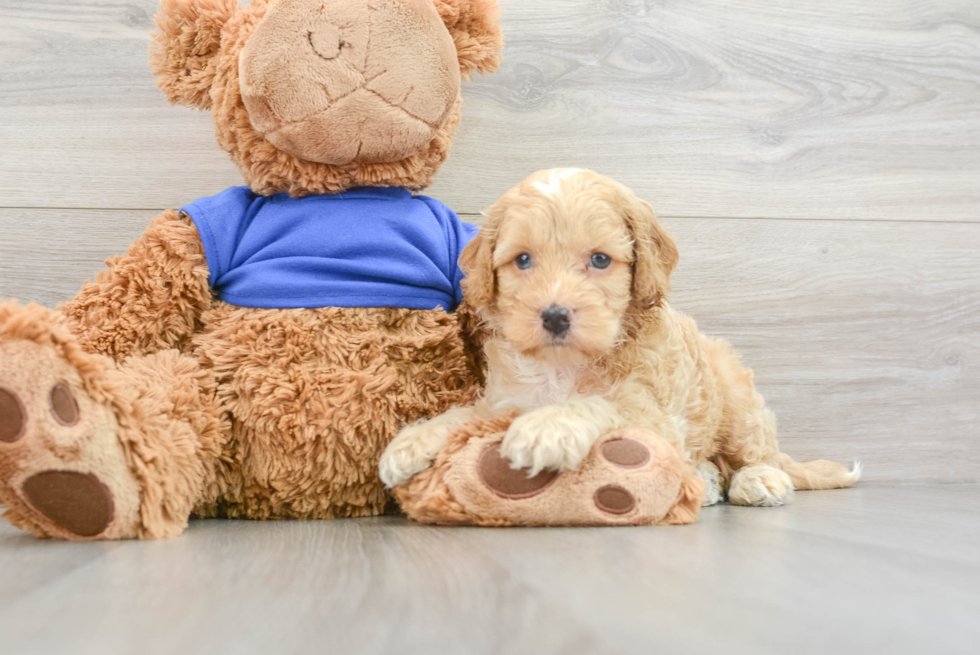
(506, 482)
(625, 453)
(64, 407)
(12, 417)
(76, 502)
(614, 499)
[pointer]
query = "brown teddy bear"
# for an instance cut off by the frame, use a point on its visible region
(251, 355)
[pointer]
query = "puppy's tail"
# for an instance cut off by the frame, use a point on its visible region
(819, 474)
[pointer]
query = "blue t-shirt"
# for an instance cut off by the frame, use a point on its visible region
(366, 247)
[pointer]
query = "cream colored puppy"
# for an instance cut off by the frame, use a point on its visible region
(570, 274)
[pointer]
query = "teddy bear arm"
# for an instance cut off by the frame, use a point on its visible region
(150, 298)
(632, 476)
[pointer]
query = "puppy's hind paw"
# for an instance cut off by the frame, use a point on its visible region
(760, 486)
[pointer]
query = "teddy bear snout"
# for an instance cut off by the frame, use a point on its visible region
(326, 40)
(368, 81)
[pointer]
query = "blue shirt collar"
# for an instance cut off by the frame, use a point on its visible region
(363, 192)
(391, 192)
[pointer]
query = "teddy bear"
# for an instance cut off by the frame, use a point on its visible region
(252, 353)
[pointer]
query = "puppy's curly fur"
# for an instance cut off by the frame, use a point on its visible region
(584, 246)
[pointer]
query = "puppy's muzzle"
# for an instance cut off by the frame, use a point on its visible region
(556, 321)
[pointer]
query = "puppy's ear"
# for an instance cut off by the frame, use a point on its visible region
(654, 255)
(475, 28)
(182, 51)
(476, 262)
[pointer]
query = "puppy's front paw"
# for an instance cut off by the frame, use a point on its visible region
(412, 451)
(548, 438)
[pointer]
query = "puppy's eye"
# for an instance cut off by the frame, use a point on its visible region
(523, 261)
(600, 260)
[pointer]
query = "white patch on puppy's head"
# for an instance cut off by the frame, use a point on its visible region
(551, 186)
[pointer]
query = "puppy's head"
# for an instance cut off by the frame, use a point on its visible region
(566, 263)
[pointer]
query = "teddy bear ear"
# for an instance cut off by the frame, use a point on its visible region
(475, 28)
(182, 51)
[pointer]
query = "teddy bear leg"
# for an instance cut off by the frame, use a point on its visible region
(89, 450)
(631, 476)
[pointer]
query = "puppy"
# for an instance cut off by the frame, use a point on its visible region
(570, 275)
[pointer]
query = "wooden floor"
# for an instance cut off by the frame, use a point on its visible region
(873, 569)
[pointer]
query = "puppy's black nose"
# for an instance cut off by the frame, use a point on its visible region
(556, 321)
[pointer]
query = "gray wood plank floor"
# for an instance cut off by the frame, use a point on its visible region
(872, 569)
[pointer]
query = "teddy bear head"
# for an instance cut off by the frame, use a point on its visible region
(318, 96)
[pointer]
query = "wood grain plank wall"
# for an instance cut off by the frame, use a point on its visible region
(795, 108)
(819, 164)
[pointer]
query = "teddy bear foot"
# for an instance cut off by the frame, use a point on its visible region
(630, 477)
(622, 482)
(63, 472)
